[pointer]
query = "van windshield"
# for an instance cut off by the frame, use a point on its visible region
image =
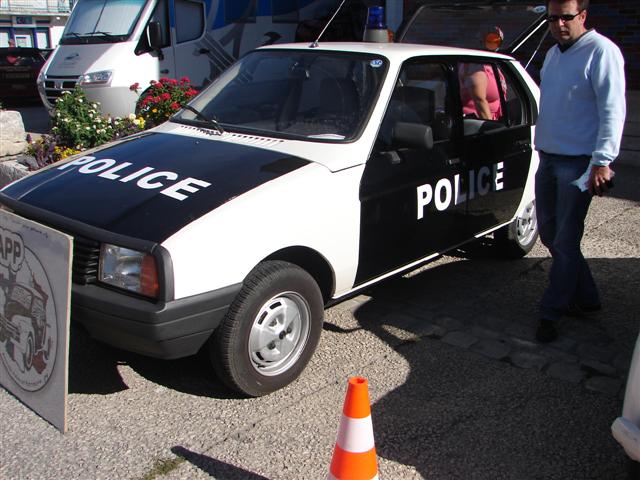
(316, 95)
(102, 21)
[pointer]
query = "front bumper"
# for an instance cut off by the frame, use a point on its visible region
(169, 330)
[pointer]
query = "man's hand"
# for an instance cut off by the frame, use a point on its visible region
(598, 179)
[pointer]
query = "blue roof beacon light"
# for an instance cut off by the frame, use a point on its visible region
(376, 29)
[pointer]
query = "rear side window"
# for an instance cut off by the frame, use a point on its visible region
(489, 97)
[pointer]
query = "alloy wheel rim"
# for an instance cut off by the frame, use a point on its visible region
(279, 333)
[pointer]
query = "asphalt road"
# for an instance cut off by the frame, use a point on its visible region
(459, 389)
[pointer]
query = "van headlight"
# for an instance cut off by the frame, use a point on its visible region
(96, 78)
(128, 269)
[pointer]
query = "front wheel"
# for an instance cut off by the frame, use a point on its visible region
(518, 238)
(270, 331)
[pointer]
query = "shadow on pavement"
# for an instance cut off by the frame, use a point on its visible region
(471, 407)
(93, 369)
(216, 468)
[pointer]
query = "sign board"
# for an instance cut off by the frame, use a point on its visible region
(35, 293)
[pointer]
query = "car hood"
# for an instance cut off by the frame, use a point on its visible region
(150, 186)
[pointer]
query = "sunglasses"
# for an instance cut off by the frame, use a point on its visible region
(567, 17)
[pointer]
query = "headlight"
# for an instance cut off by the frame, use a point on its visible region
(128, 269)
(96, 78)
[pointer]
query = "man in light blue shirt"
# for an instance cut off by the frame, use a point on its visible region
(578, 133)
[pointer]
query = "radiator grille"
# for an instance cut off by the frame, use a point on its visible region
(86, 253)
(54, 85)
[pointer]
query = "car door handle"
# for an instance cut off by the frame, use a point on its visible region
(164, 70)
(453, 161)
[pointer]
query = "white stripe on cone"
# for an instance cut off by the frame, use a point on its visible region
(355, 434)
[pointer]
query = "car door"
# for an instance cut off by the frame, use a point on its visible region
(408, 195)
(496, 152)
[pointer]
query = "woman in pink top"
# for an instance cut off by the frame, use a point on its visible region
(478, 84)
(479, 91)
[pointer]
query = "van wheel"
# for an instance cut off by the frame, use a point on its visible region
(518, 238)
(270, 330)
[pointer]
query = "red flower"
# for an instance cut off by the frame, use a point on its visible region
(165, 96)
(164, 80)
(172, 81)
(134, 87)
(184, 80)
(174, 106)
(191, 92)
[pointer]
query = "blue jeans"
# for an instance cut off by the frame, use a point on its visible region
(561, 209)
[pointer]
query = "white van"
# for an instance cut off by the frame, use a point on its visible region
(108, 45)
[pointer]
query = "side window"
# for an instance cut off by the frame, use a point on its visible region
(189, 20)
(420, 96)
(489, 98)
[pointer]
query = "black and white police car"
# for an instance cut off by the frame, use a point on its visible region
(298, 177)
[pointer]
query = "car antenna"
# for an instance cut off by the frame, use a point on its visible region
(314, 44)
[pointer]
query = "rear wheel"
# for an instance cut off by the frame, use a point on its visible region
(518, 238)
(270, 331)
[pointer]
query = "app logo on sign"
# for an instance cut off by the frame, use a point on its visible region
(28, 329)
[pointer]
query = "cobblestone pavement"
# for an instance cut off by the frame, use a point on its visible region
(489, 307)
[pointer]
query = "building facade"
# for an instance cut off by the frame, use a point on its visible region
(33, 23)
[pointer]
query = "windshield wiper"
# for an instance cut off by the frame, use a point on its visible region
(212, 122)
(75, 34)
(109, 35)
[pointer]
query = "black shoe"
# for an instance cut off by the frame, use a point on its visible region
(547, 331)
(575, 310)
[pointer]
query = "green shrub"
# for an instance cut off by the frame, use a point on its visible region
(78, 125)
(77, 122)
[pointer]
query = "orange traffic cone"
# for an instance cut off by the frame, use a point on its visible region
(354, 457)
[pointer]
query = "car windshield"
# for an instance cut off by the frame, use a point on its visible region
(291, 93)
(102, 21)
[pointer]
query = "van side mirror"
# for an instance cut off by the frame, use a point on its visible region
(413, 135)
(154, 36)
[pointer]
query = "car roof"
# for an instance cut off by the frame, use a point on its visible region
(396, 51)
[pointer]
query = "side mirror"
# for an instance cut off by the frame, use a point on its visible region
(413, 135)
(154, 36)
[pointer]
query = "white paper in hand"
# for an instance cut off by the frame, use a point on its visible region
(582, 182)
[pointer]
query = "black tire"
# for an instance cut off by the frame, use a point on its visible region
(27, 357)
(264, 313)
(518, 238)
